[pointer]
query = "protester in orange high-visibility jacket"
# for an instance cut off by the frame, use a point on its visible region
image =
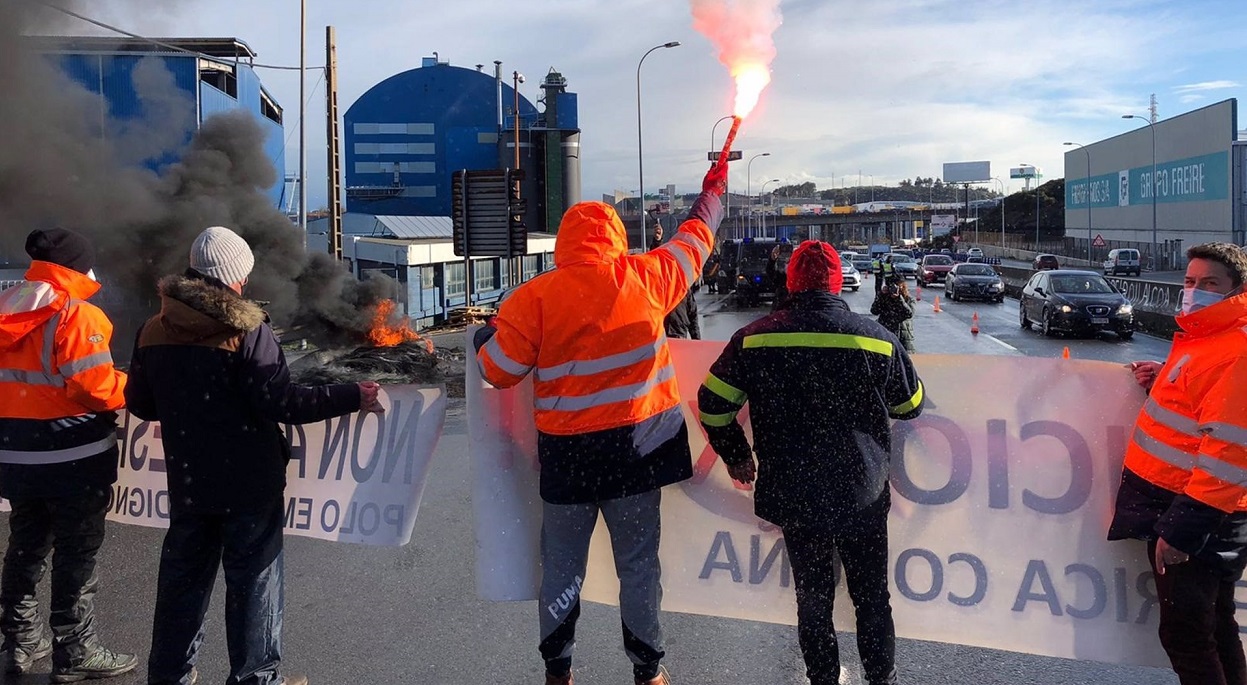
(58, 456)
(610, 428)
(1184, 485)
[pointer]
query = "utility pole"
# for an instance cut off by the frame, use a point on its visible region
(335, 161)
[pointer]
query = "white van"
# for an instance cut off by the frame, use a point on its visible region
(1122, 261)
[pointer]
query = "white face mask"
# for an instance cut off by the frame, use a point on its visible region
(1194, 299)
(91, 275)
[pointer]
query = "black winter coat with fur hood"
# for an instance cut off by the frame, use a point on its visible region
(210, 369)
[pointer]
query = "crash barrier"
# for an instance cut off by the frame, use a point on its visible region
(1001, 495)
(357, 478)
(1155, 302)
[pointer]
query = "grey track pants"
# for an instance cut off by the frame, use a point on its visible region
(633, 523)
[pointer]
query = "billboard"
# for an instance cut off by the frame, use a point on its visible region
(942, 224)
(1025, 172)
(1110, 186)
(967, 172)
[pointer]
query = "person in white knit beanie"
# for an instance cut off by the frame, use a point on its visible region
(209, 368)
(222, 254)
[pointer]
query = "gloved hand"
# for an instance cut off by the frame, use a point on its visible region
(715, 180)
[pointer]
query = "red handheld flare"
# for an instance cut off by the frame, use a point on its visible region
(731, 138)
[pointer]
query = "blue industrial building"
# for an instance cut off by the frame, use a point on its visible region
(408, 134)
(215, 76)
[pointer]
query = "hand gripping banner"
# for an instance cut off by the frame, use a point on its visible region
(1002, 493)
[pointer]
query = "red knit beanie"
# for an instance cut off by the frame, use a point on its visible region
(815, 265)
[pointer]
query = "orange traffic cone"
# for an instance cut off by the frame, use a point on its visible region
(1065, 353)
(919, 297)
(937, 304)
(974, 324)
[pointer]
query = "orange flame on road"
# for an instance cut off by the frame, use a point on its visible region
(388, 330)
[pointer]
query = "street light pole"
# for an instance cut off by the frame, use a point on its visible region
(749, 183)
(639, 152)
(763, 193)
(1036, 203)
(1002, 212)
(1152, 183)
(1089, 238)
(303, 120)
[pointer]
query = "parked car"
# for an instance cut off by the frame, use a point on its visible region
(852, 279)
(1076, 301)
(974, 281)
(1122, 261)
(1044, 262)
(904, 266)
(934, 268)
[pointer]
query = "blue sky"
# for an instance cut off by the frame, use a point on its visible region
(892, 88)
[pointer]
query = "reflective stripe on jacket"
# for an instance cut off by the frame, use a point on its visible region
(55, 364)
(1190, 437)
(591, 330)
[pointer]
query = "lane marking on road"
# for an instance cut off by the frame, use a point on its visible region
(998, 341)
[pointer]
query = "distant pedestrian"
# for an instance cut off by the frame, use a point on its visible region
(822, 384)
(895, 308)
(209, 368)
(58, 401)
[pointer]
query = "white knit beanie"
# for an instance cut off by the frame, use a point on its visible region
(222, 254)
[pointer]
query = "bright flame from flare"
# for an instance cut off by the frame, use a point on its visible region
(387, 332)
(751, 79)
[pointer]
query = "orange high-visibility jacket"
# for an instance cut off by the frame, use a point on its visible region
(592, 329)
(1191, 436)
(55, 363)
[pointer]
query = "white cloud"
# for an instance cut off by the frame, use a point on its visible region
(893, 88)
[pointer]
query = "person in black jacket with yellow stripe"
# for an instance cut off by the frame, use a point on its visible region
(822, 384)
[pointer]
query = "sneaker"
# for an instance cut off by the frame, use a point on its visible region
(18, 660)
(102, 663)
(663, 678)
(559, 679)
(293, 680)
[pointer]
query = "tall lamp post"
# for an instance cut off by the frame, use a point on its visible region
(763, 193)
(1002, 212)
(639, 152)
(1036, 202)
(1089, 238)
(1152, 127)
(749, 180)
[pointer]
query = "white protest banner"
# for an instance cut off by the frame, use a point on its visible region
(1002, 492)
(357, 478)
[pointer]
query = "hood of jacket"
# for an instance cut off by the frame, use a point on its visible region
(193, 310)
(590, 233)
(48, 289)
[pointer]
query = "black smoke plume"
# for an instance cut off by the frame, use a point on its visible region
(65, 162)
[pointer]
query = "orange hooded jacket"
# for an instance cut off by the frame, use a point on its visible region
(592, 329)
(54, 359)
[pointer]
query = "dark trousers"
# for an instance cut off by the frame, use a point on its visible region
(862, 540)
(1197, 626)
(72, 529)
(249, 546)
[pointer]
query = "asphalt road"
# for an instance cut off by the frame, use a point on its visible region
(410, 615)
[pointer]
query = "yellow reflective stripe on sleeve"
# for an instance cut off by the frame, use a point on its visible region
(717, 420)
(842, 341)
(732, 394)
(911, 404)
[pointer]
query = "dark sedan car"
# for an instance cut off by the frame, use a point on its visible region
(974, 281)
(1075, 301)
